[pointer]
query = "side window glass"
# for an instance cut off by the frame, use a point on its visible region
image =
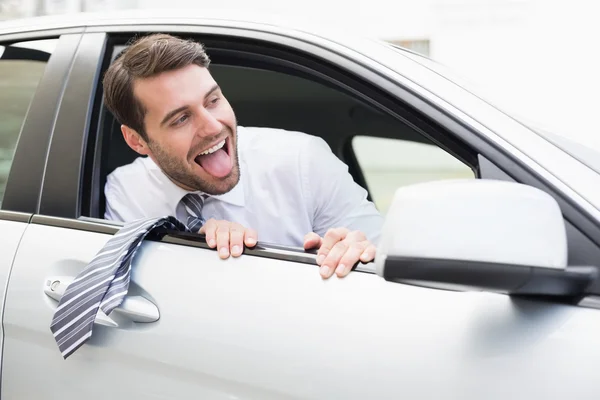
(388, 164)
(21, 67)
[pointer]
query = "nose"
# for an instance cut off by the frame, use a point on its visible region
(208, 124)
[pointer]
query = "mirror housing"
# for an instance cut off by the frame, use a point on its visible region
(478, 234)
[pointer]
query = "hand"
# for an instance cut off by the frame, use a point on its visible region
(228, 237)
(339, 250)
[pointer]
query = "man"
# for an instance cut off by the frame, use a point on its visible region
(288, 186)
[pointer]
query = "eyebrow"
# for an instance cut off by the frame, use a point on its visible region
(171, 114)
(174, 112)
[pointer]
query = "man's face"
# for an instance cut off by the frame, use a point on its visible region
(191, 129)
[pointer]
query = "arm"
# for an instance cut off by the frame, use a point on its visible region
(346, 226)
(335, 200)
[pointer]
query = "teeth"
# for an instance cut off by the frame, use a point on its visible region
(213, 149)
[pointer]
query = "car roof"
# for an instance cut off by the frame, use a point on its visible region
(314, 29)
(197, 16)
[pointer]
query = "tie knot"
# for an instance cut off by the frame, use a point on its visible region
(193, 203)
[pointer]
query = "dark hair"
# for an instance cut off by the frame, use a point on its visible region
(145, 57)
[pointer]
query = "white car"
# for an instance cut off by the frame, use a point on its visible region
(485, 281)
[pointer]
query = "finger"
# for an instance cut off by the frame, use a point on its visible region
(355, 236)
(333, 257)
(236, 239)
(210, 230)
(350, 258)
(311, 241)
(332, 237)
(250, 237)
(223, 238)
(368, 254)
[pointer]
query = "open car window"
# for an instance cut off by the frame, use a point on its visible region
(303, 95)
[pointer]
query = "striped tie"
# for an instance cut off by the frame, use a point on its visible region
(103, 283)
(193, 204)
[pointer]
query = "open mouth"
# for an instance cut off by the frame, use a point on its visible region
(216, 160)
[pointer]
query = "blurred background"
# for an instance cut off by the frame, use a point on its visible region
(536, 59)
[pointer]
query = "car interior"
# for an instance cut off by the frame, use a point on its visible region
(273, 94)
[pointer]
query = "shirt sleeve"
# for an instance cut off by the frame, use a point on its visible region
(334, 199)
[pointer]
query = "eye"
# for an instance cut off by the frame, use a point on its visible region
(214, 101)
(181, 120)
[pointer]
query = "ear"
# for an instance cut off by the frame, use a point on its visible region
(134, 140)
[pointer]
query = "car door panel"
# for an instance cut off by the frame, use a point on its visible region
(260, 328)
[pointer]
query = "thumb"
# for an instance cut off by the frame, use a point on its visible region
(312, 240)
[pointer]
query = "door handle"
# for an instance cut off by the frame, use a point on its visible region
(134, 308)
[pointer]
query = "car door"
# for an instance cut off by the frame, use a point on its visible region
(25, 73)
(264, 325)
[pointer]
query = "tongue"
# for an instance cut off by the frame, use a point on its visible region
(217, 164)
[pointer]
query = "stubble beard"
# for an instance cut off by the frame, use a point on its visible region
(179, 172)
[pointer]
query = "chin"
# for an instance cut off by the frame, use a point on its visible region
(218, 186)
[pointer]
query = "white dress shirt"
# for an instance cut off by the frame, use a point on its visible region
(290, 184)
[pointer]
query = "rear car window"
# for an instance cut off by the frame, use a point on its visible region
(21, 68)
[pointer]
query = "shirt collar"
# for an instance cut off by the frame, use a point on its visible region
(173, 193)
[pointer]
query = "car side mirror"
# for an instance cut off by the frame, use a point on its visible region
(479, 235)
